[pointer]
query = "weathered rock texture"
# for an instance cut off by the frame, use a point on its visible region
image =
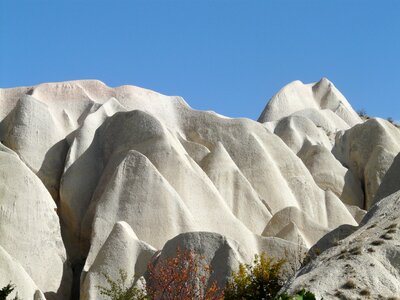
(94, 179)
(366, 263)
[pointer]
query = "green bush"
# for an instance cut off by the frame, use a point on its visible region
(301, 295)
(6, 291)
(262, 280)
(121, 289)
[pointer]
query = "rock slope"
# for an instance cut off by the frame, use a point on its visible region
(30, 231)
(115, 174)
(366, 264)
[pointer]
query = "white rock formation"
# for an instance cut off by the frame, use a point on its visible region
(368, 150)
(330, 174)
(294, 225)
(390, 182)
(308, 118)
(298, 132)
(364, 264)
(122, 251)
(29, 126)
(126, 168)
(30, 230)
(235, 189)
(222, 254)
(315, 100)
(12, 271)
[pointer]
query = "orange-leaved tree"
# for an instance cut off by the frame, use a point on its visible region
(184, 276)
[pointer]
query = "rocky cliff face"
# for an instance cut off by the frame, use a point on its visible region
(96, 178)
(366, 263)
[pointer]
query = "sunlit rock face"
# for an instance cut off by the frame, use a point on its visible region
(89, 171)
(365, 263)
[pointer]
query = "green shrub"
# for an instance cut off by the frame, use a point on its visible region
(301, 295)
(262, 280)
(6, 291)
(121, 289)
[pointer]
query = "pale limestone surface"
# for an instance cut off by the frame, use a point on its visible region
(12, 271)
(299, 98)
(223, 255)
(368, 151)
(121, 251)
(292, 223)
(29, 227)
(330, 174)
(299, 132)
(105, 136)
(241, 198)
(132, 197)
(128, 167)
(308, 118)
(369, 257)
(31, 131)
(390, 182)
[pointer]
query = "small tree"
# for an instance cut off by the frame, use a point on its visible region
(181, 277)
(262, 280)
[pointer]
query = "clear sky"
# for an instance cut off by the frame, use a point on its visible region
(226, 56)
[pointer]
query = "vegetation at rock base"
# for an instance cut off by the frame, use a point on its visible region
(122, 289)
(301, 295)
(6, 291)
(261, 280)
(185, 276)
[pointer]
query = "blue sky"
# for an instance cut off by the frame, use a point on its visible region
(226, 56)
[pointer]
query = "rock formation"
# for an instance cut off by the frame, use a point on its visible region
(95, 179)
(365, 263)
(30, 235)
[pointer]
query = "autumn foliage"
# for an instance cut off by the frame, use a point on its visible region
(184, 276)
